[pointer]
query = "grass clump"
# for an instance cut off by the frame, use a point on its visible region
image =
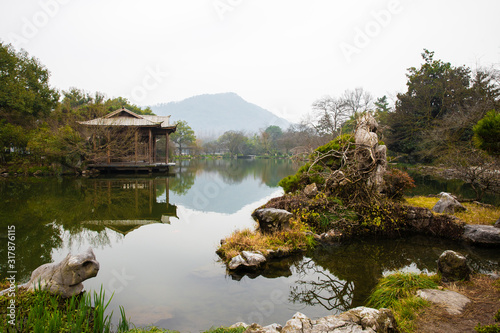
(397, 292)
(475, 214)
(41, 311)
(240, 329)
(487, 328)
(150, 329)
(495, 328)
(291, 240)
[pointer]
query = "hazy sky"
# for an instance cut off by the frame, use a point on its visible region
(279, 54)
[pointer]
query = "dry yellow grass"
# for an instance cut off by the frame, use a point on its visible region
(475, 214)
(248, 240)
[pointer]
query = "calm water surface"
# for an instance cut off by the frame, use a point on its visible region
(155, 239)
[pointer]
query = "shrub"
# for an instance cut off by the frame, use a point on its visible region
(487, 132)
(396, 183)
(322, 161)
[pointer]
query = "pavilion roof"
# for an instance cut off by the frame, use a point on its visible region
(125, 117)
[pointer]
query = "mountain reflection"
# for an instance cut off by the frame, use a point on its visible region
(225, 186)
(50, 212)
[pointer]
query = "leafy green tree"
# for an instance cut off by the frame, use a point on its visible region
(435, 90)
(183, 136)
(12, 137)
(63, 145)
(487, 133)
(234, 141)
(119, 102)
(269, 138)
(25, 94)
(382, 105)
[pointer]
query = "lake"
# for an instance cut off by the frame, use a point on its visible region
(155, 238)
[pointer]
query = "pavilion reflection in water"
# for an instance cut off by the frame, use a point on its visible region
(124, 205)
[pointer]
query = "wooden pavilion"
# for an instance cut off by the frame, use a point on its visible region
(124, 140)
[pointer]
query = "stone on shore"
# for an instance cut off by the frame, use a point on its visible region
(453, 266)
(448, 204)
(247, 259)
(360, 319)
(64, 278)
(453, 302)
(486, 235)
(272, 219)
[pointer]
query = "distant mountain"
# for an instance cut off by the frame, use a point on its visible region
(212, 115)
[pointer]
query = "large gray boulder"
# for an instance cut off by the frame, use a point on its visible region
(247, 259)
(360, 319)
(453, 302)
(448, 204)
(272, 219)
(453, 266)
(64, 278)
(486, 235)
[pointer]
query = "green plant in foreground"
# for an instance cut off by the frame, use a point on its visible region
(487, 328)
(41, 311)
(240, 329)
(399, 285)
(396, 291)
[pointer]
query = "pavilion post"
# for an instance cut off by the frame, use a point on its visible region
(166, 147)
(150, 146)
(136, 145)
(108, 159)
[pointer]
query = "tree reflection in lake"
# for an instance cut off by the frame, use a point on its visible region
(342, 277)
(168, 274)
(49, 212)
(325, 290)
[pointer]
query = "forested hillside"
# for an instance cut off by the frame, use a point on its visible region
(448, 115)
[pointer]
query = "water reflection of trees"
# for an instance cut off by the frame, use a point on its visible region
(50, 212)
(232, 171)
(325, 289)
(343, 276)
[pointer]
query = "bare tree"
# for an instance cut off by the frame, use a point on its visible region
(356, 101)
(476, 168)
(330, 113)
(113, 143)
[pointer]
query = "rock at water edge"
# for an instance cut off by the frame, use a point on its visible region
(453, 266)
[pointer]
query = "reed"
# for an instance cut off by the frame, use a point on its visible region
(41, 311)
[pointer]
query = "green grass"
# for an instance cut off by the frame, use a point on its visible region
(153, 329)
(397, 292)
(487, 328)
(225, 330)
(41, 311)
